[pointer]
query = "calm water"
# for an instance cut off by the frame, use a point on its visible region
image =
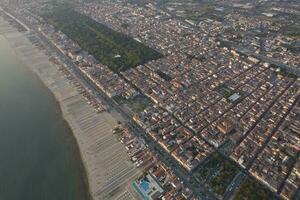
(38, 155)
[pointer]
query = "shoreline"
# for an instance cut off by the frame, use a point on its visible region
(63, 92)
(58, 105)
(76, 151)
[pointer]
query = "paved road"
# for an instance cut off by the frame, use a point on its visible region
(274, 130)
(263, 58)
(11, 16)
(238, 179)
(189, 180)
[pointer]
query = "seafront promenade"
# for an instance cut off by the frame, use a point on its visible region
(107, 167)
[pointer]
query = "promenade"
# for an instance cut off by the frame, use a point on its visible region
(108, 169)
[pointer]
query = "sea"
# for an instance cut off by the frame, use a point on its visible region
(39, 157)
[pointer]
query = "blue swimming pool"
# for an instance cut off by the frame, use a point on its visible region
(138, 189)
(144, 186)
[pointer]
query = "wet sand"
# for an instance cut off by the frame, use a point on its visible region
(106, 163)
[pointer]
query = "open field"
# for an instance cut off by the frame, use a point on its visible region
(116, 50)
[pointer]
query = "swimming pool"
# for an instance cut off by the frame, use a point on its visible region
(144, 185)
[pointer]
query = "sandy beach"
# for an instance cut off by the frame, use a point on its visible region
(108, 168)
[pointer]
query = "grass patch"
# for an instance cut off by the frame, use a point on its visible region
(227, 147)
(114, 49)
(217, 172)
(227, 172)
(138, 104)
(250, 189)
(207, 167)
(229, 94)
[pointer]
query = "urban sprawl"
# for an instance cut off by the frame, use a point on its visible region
(216, 105)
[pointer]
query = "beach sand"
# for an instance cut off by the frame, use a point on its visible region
(108, 169)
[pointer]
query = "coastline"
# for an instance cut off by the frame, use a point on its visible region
(77, 152)
(58, 104)
(67, 96)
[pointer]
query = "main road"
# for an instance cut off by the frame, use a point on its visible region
(292, 69)
(137, 130)
(198, 189)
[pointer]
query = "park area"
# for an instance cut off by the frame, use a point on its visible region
(217, 173)
(116, 50)
(253, 190)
